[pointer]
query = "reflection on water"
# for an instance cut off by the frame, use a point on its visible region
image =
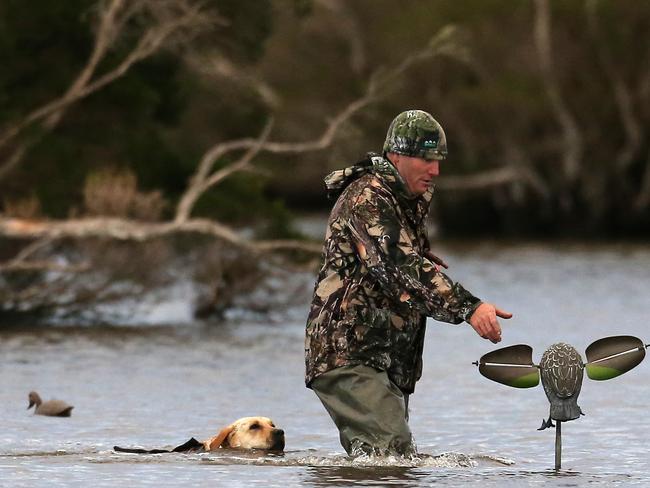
(351, 476)
(158, 386)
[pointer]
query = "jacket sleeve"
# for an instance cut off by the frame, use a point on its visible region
(409, 281)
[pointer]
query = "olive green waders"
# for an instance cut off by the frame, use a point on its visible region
(369, 410)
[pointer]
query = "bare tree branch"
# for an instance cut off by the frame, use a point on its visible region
(172, 16)
(443, 44)
(130, 230)
(622, 94)
(204, 178)
(12, 160)
(519, 166)
(572, 137)
(288, 245)
(642, 200)
(32, 248)
(478, 181)
(215, 64)
(348, 27)
(103, 39)
(43, 266)
(20, 261)
(202, 182)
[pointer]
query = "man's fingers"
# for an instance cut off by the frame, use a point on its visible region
(485, 323)
(502, 313)
(493, 329)
(488, 330)
(495, 333)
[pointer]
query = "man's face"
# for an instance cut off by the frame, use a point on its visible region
(418, 173)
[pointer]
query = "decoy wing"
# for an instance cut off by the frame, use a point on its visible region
(610, 357)
(511, 366)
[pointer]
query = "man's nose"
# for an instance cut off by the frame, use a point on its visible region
(434, 168)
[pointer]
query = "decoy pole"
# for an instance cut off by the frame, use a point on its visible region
(558, 445)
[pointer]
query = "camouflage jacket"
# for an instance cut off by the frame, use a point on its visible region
(376, 286)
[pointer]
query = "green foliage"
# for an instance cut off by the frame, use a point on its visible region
(42, 46)
(242, 199)
(279, 223)
(249, 25)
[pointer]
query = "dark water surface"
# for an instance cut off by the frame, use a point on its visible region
(157, 386)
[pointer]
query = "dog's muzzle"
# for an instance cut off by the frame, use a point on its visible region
(277, 436)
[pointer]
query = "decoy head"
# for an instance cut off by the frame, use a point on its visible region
(34, 399)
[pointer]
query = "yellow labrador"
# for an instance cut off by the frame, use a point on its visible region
(244, 433)
(248, 433)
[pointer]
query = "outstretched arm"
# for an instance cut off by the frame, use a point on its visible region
(410, 281)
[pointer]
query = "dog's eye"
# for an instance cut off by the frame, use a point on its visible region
(254, 426)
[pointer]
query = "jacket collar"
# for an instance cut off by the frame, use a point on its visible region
(415, 207)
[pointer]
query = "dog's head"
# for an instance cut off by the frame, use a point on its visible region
(248, 433)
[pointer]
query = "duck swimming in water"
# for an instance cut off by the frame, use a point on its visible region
(51, 408)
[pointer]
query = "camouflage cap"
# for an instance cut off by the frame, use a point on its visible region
(416, 133)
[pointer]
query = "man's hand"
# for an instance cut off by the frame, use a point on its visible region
(484, 321)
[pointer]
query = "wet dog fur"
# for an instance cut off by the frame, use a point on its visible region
(244, 433)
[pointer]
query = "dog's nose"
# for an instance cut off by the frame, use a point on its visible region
(278, 432)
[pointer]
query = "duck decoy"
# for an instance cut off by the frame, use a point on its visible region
(52, 408)
(561, 369)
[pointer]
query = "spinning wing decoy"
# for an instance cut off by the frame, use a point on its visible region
(561, 369)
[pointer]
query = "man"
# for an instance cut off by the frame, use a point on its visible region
(377, 285)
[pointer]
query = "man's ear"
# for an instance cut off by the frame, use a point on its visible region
(219, 440)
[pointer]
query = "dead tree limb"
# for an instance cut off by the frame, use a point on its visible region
(572, 147)
(642, 201)
(622, 94)
(518, 166)
(443, 44)
(347, 26)
(130, 230)
(216, 65)
(483, 180)
(204, 178)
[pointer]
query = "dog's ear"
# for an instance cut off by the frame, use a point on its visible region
(219, 440)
